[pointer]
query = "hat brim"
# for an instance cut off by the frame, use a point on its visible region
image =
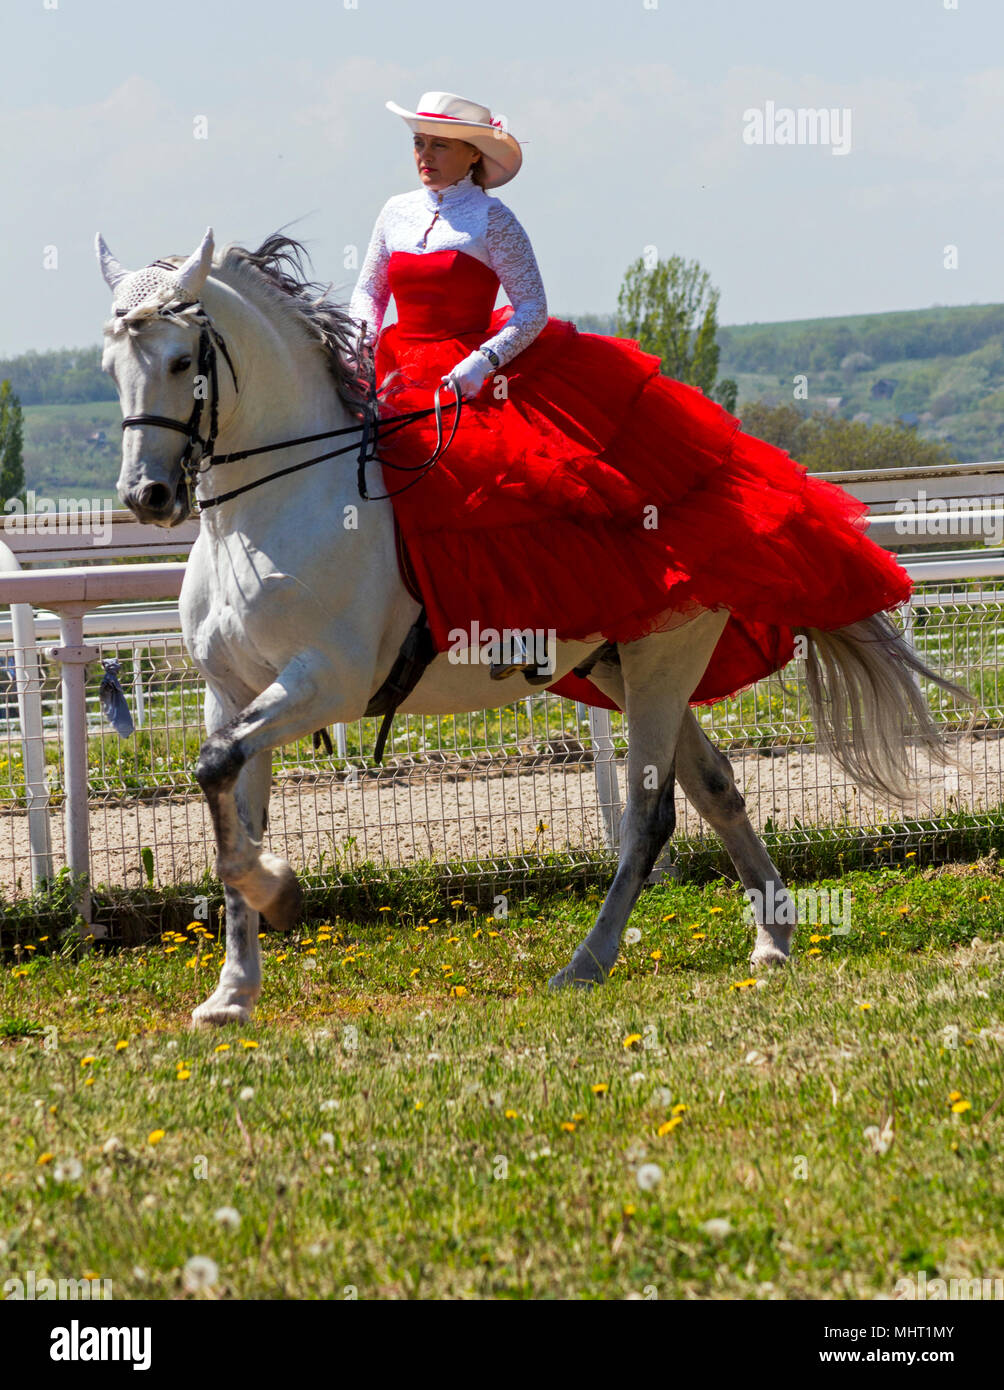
(500, 151)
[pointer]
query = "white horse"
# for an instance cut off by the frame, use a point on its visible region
(294, 611)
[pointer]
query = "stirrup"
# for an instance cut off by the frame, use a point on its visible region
(502, 670)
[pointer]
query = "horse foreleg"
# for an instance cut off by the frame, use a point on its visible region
(706, 777)
(659, 673)
(305, 695)
(239, 985)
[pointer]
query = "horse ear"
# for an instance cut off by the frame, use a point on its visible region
(192, 275)
(110, 268)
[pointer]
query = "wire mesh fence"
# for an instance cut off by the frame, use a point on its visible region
(506, 787)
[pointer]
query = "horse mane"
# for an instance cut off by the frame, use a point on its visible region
(280, 265)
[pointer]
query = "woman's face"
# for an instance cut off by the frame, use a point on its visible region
(440, 161)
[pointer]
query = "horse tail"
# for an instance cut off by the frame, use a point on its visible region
(867, 703)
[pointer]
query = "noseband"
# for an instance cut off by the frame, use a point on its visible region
(370, 429)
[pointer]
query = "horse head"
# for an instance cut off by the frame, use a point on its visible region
(155, 352)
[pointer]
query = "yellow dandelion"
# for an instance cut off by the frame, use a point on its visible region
(122, 1043)
(902, 911)
(86, 1061)
(89, 1081)
(458, 991)
(669, 1125)
(456, 902)
(985, 898)
(414, 973)
(699, 936)
(632, 1040)
(155, 1136)
(679, 1109)
(385, 909)
(814, 952)
(600, 1089)
(629, 1210)
(954, 1095)
(420, 1105)
(44, 1158)
(961, 1106)
(169, 949)
(568, 1126)
(512, 1114)
(716, 909)
(278, 960)
(421, 927)
(452, 940)
(183, 1073)
(864, 1007)
(655, 955)
(477, 933)
(222, 1047)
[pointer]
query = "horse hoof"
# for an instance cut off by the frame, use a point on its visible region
(273, 889)
(577, 975)
(217, 1012)
(768, 958)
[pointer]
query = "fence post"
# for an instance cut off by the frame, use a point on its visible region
(605, 771)
(28, 676)
(73, 657)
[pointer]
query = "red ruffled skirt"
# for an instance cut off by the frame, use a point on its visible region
(589, 494)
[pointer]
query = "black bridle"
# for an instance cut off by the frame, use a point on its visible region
(200, 451)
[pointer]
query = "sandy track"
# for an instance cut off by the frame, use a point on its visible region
(449, 812)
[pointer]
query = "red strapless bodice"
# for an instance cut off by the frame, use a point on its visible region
(441, 294)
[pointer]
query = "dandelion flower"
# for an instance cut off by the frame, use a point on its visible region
(67, 1170)
(222, 1047)
(247, 1093)
(648, 1176)
(512, 1114)
(122, 1043)
(248, 1042)
(155, 1136)
(717, 1228)
(43, 1159)
(679, 1109)
(668, 1126)
(458, 991)
(200, 1273)
(183, 1074)
(601, 1088)
(961, 1106)
(632, 1040)
(227, 1217)
(632, 936)
(568, 1126)
(86, 1061)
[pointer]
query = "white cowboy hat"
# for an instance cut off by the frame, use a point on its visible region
(444, 113)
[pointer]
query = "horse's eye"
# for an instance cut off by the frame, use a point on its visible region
(181, 364)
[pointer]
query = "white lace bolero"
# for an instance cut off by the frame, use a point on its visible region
(470, 221)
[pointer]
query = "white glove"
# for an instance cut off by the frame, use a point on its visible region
(470, 374)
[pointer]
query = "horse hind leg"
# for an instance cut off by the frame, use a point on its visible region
(707, 780)
(658, 672)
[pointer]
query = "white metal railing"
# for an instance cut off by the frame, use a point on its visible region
(94, 600)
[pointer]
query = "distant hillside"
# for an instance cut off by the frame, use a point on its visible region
(940, 370)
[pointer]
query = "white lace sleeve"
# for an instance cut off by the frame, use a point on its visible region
(512, 259)
(372, 292)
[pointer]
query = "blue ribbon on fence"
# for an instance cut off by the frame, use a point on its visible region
(113, 700)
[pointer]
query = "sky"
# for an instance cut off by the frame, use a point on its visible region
(634, 117)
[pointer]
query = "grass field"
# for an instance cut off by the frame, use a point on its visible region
(413, 1115)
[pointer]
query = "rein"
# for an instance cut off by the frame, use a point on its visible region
(371, 429)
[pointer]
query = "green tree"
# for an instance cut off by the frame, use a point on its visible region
(828, 444)
(11, 444)
(671, 309)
